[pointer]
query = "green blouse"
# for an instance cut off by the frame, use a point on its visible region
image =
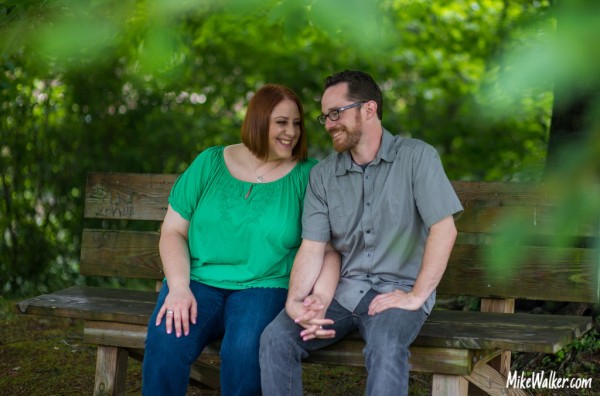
(241, 234)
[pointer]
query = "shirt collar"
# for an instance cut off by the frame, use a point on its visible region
(384, 153)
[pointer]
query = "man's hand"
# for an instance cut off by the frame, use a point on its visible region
(395, 299)
(310, 314)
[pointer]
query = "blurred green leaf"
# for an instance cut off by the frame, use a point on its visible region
(70, 39)
(506, 253)
(357, 24)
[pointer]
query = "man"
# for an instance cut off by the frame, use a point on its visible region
(387, 207)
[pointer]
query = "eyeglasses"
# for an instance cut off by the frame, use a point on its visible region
(334, 114)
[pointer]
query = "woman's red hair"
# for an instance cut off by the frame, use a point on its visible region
(255, 128)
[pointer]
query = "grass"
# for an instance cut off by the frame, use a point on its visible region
(46, 356)
(43, 356)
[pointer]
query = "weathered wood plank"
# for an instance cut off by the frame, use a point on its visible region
(111, 371)
(446, 335)
(484, 217)
(115, 334)
(119, 294)
(488, 203)
(446, 329)
(538, 275)
(132, 196)
(444, 385)
(347, 352)
(97, 304)
(441, 360)
(502, 362)
(489, 331)
(206, 374)
(127, 196)
(135, 307)
(492, 382)
(119, 253)
(541, 271)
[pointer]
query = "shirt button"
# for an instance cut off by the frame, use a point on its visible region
(361, 292)
(368, 203)
(368, 231)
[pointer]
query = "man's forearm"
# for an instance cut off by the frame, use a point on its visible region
(306, 270)
(435, 258)
(329, 277)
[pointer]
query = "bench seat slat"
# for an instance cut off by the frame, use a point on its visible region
(578, 324)
(445, 329)
(89, 303)
(472, 336)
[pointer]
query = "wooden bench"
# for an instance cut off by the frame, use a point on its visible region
(458, 347)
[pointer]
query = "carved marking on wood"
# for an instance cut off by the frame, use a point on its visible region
(116, 204)
(104, 239)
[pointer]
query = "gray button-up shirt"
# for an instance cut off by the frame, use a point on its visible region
(378, 219)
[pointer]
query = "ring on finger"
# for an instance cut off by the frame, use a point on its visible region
(169, 311)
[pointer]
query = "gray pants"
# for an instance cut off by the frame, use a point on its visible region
(387, 336)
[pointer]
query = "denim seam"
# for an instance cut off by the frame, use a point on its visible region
(289, 373)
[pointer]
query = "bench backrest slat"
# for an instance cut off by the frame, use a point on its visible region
(543, 272)
(487, 204)
(127, 196)
(120, 253)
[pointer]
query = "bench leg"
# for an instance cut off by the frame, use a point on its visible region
(449, 385)
(492, 382)
(111, 371)
(501, 363)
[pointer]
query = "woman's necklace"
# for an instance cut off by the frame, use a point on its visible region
(261, 178)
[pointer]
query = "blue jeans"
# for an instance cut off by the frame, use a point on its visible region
(387, 336)
(238, 317)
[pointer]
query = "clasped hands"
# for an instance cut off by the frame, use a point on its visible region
(310, 314)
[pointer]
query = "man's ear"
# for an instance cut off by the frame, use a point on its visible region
(371, 108)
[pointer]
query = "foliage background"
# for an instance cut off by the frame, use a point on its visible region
(145, 85)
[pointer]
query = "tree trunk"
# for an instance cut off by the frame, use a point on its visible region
(571, 114)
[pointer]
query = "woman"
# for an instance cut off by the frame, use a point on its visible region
(227, 245)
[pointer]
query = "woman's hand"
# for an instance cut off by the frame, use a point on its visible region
(179, 309)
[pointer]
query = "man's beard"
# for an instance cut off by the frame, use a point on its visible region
(350, 137)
